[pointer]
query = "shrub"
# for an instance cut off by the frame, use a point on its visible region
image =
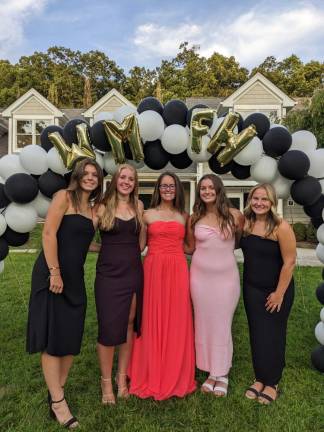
(300, 231)
(311, 233)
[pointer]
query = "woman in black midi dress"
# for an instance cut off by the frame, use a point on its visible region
(119, 278)
(269, 249)
(58, 298)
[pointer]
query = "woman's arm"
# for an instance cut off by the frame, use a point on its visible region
(239, 224)
(287, 244)
(189, 243)
(53, 220)
(94, 247)
(98, 210)
(142, 236)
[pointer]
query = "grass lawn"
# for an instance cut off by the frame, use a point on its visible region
(23, 394)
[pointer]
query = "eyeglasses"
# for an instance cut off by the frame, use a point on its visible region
(165, 187)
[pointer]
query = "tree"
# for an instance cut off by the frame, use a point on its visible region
(139, 83)
(87, 96)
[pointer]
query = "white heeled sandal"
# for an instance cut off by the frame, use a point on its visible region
(223, 390)
(207, 387)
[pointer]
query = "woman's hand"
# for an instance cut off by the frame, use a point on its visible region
(56, 284)
(274, 301)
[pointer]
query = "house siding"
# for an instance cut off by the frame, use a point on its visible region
(32, 107)
(257, 95)
(111, 105)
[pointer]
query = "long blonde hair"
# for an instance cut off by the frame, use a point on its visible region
(272, 220)
(222, 206)
(110, 201)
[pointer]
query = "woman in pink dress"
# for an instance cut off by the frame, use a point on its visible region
(163, 361)
(214, 280)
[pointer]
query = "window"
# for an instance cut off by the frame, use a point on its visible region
(28, 131)
(236, 199)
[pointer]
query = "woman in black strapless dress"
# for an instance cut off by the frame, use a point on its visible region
(58, 300)
(269, 249)
(119, 278)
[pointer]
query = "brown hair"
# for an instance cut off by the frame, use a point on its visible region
(75, 189)
(110, 200)
(179, 200)
(221, 207)
(272, 220)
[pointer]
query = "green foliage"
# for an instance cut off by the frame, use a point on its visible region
(311, 233)
(300, 231)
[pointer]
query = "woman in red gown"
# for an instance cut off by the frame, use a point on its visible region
(163, 359)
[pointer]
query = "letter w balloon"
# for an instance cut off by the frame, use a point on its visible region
(227, 141)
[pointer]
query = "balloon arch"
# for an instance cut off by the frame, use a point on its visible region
(154, 135)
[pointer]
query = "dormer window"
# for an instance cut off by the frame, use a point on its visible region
(28, 131)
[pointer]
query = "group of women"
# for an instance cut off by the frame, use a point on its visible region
(163, 320)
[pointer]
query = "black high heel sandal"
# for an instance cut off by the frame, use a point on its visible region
(52, 414)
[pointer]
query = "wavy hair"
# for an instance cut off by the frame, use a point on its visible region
(179, 200)
(75, 189)
(222, 206)
(110, 200)
(272, 219)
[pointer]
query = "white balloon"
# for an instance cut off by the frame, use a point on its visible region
(109, 163)
(34, 159)
(151, 125)
(175, 139)
(55, 162)
(273, 125)
(303, 140)
(251, 153)
(9, 165)
(136, 165)
(316, 159)
(99, 159)
(104, 115)
(41, 204)
(320, 234)
(282, 186)
(320, 252)
(122, 112)
(319, 332)
(2, 181)
(21, 218)
(3, 224)
(265, 170)
(203, 155)
(322, 315)
(217, 121)
(1, 266)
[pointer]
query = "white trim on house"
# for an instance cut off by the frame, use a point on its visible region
(8, 112)
(89, 113)
(269, 86)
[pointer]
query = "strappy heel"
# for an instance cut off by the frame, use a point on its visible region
(107, 398)
(122, 389)
(69, 423)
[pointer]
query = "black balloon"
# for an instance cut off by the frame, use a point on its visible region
(4, 200)
(180, 160)
(315, 210)
(240, 172)
(316, 222)
(99, 138)
(67, 177)
(215, 166)
(128, 151)
(320, 293)
(175, 112)
(294, 165)
(70, 133)
(240, 123)
(260, 121)
(4, 248)
(50, 182)
(150, 103)
(190, 111)
(155, 157)
(306, 191)
(45, 142)
(276, 141)
(317, 358)
(14, 238)
(21, 188)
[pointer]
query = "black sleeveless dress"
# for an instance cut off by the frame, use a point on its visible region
(119, 276)
(56, 321)
(262, 266)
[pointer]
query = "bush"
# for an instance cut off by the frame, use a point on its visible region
(300, 231)
(311, 233)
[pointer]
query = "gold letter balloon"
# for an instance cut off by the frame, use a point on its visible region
(70, 155)
(120, 133)
(198, 129)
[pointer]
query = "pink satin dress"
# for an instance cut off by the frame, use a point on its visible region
(163, 360)
(215, 292)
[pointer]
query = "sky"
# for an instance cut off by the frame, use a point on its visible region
(142, 32)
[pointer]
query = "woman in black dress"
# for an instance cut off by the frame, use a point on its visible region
(58, 298)
(269, 249)
(119, 278)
